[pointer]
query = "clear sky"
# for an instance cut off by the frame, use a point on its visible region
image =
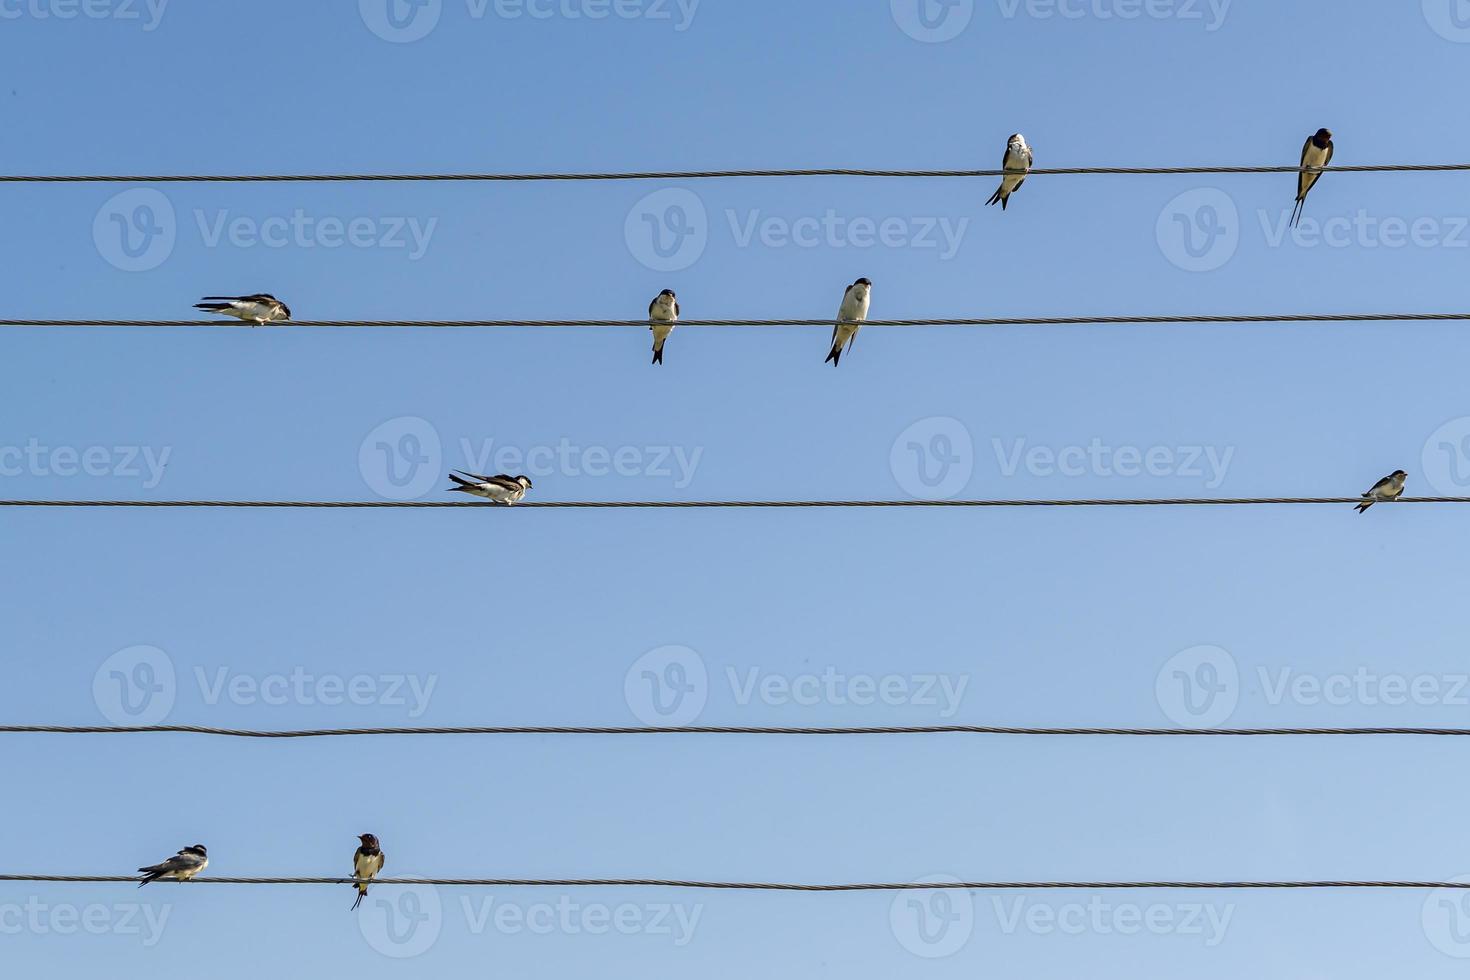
(281, 619)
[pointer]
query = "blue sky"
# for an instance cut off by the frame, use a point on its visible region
(263, 619)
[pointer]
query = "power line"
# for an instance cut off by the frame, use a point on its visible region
(722, 730)
(714, 504)
(825, 323)
(709, 174)
(758, 886)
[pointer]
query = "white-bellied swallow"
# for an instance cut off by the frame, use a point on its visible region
(181, 867)
(1391, 487)
(1316, 154)
(663, 313)
(850, 315)
(1016, 164)
(500, 488)
(258, 308)
(366, 864)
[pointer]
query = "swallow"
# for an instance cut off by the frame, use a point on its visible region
(181, 867)
(366, 864)
(258, 308)
(1017, 164)
(1391, 487)
(663, 313)
(500, 488)
(850, 315)
(1316, 154)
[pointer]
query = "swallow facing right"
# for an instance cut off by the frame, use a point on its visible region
(181, 867)
(366, 864)
(1316, 154)
(1016, 164)
(258, 308)
(663, 313)
(1391, 487)
(500, 488)
(850, 316)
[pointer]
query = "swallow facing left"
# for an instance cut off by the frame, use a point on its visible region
(500, 488)
(663, 313)
(850, 315)
(257, 308)
(366, 864)
(1316, 154)
(1391, 487)
(1016, 164)
(181, 867)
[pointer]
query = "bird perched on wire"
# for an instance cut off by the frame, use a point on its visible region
(181, 867)
(1389, 488)
(257, 308)
(1017, 164)
(663, 313)
(850, 315)
(1316, 154)
(367, 862)
(500, 488)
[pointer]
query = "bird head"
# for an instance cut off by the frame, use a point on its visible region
(863, 285)
(1324, 136)
(524, 481)
(197, 849)
(1400, 475)
(369, 841)
(669, 293)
